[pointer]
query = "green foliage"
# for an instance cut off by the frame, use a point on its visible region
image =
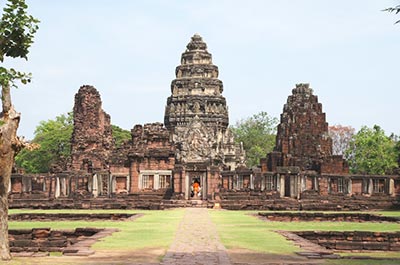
(17, 29)
(54, 138)
(9, 76)
(120, 135)
(257, 134)
(372, 152)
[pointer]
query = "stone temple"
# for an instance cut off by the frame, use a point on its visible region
(192, 158)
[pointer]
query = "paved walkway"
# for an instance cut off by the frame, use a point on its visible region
(196, 241)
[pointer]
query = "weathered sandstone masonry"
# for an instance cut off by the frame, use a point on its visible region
(193, 159)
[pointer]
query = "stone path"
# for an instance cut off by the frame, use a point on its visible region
(196, 241)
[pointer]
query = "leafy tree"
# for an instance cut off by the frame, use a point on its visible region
(341, 137)
(54, 139)
(120, 135)
(257, 133)
(17, 30)
(395, 9)
(372, 152)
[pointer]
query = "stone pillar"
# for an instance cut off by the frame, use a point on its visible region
(134, 175)
(113, 184)
(391, 187)
(282, 180)
(278, 183)
(186, 188)
(57, 192)
(251, 181)
(156, 181)
(350, 187)
(371, 186)
(204, 188)
(128, 183)
(95, 187)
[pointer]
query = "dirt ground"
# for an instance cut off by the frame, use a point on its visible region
(142, 256)
(244, 256)
(152, 256)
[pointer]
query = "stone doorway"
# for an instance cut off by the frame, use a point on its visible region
(197, 186)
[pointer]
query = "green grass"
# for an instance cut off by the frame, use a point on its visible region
(153, 229)
(239, 229)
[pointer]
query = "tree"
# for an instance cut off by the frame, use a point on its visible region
(120, 135)
(54, 140)
(257, 133)
(341, 137)
(372, 152)
(395, 9)
(17, 29)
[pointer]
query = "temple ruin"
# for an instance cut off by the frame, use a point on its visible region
(192, 158)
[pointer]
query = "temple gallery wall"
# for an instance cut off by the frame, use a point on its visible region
(192, 158)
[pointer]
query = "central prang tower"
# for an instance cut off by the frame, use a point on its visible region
(196, 113)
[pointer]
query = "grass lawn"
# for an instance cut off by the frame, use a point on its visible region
(153, 229)
(237, 230)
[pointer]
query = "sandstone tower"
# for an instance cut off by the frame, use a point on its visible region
(196, 113)
(92, 139)
(302, 139)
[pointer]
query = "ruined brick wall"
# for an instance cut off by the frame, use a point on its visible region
(92, 139)
(151, 150)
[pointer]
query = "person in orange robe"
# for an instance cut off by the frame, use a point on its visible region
(196, 187)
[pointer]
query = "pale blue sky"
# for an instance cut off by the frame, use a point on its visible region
(347, 50)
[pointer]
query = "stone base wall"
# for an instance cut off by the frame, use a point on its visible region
(46, 240)
(251, 200)
(70, 216)
(327, 217)
(354, 240)
(138, 200)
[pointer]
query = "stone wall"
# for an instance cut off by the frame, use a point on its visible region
(327, 217)
(151, 150)
(354, 240)
(46, 240)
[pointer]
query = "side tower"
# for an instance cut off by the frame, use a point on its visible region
(302, 140)
(92, 139)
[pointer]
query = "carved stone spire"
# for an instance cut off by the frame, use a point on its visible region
(196, 91)
(196, 113)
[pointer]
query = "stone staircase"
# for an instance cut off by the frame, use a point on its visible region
(167, 204)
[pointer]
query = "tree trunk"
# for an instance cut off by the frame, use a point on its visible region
(9, 145)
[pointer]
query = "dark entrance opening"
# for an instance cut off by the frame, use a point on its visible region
(196, 188)
(287, 186)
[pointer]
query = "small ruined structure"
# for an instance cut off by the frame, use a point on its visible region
(192, 159)
(92, 136)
